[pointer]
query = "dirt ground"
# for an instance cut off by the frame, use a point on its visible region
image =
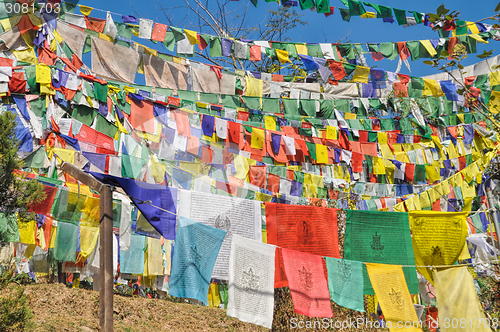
(59, 308)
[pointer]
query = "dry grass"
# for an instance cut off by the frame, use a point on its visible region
(59, 308)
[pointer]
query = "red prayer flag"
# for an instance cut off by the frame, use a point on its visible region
(309, 229)
(95, 24)
(255, 53)
(257, 175)
(141, 116)
(337, 69)
(308, 284)
(159, 32)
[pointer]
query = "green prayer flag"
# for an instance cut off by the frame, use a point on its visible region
(461, 28)
(9, 231)
(344, 12)
(101, 92)
(67, 51)
(35, 159)
(343, 105)
(415, 87)
(251, 102)
(314, 50)
(345, 282)
(418, 17)
(66, 242)
(373, 48)
(414, 48)
(231, 101)
(298, 176)
(31, 78)
(308, 107)
(178, 33)
(400, 16)
(215, 47)
(323, 6)
(420, 174)
(84, 114)
(355, 8)
(271, 105)
(131, 166)
(290, 106)
(38, 107)
(380, 237)
(349, 68)
(68, 206)
(311, 147)
(389, 50)
(346, 50)
(211, 98)
(169, 41)
(326, 109)
(382, 11)
(105, 127)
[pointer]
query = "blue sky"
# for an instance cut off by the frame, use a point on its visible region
(320, 29)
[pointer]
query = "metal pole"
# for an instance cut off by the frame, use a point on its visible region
(106, 260)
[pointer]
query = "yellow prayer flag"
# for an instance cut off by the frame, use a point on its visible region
(382, 137)
(321, 154)
(369, 15)
(192, 36)
(448, 230)
(254, 87)
(88, 240)
(428, 46)
(257, 138)
(241, 165)
(214, 294)
(479, 38)
(457, 299)
(270, 122)
(331, 132)
(10, 22)
(155, 257)
(282, 56)
(350, 116)
(494, 78)
(28, 55)
(432, 88)
(378, 166)
(301, 49)
(390, 287)
(106, 37)
(26, 230)
(361, 74)
(472, 27)
(85, 10)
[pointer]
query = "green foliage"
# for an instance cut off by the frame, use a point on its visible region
(15, 315)
(16, 192)
(485, 54)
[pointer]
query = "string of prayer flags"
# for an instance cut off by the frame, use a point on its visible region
(196, 249)
(307, 283)
(395, 300)
(251, 281)
(380, 237)
(438, 238)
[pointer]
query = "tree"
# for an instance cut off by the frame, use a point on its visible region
(16, 192)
